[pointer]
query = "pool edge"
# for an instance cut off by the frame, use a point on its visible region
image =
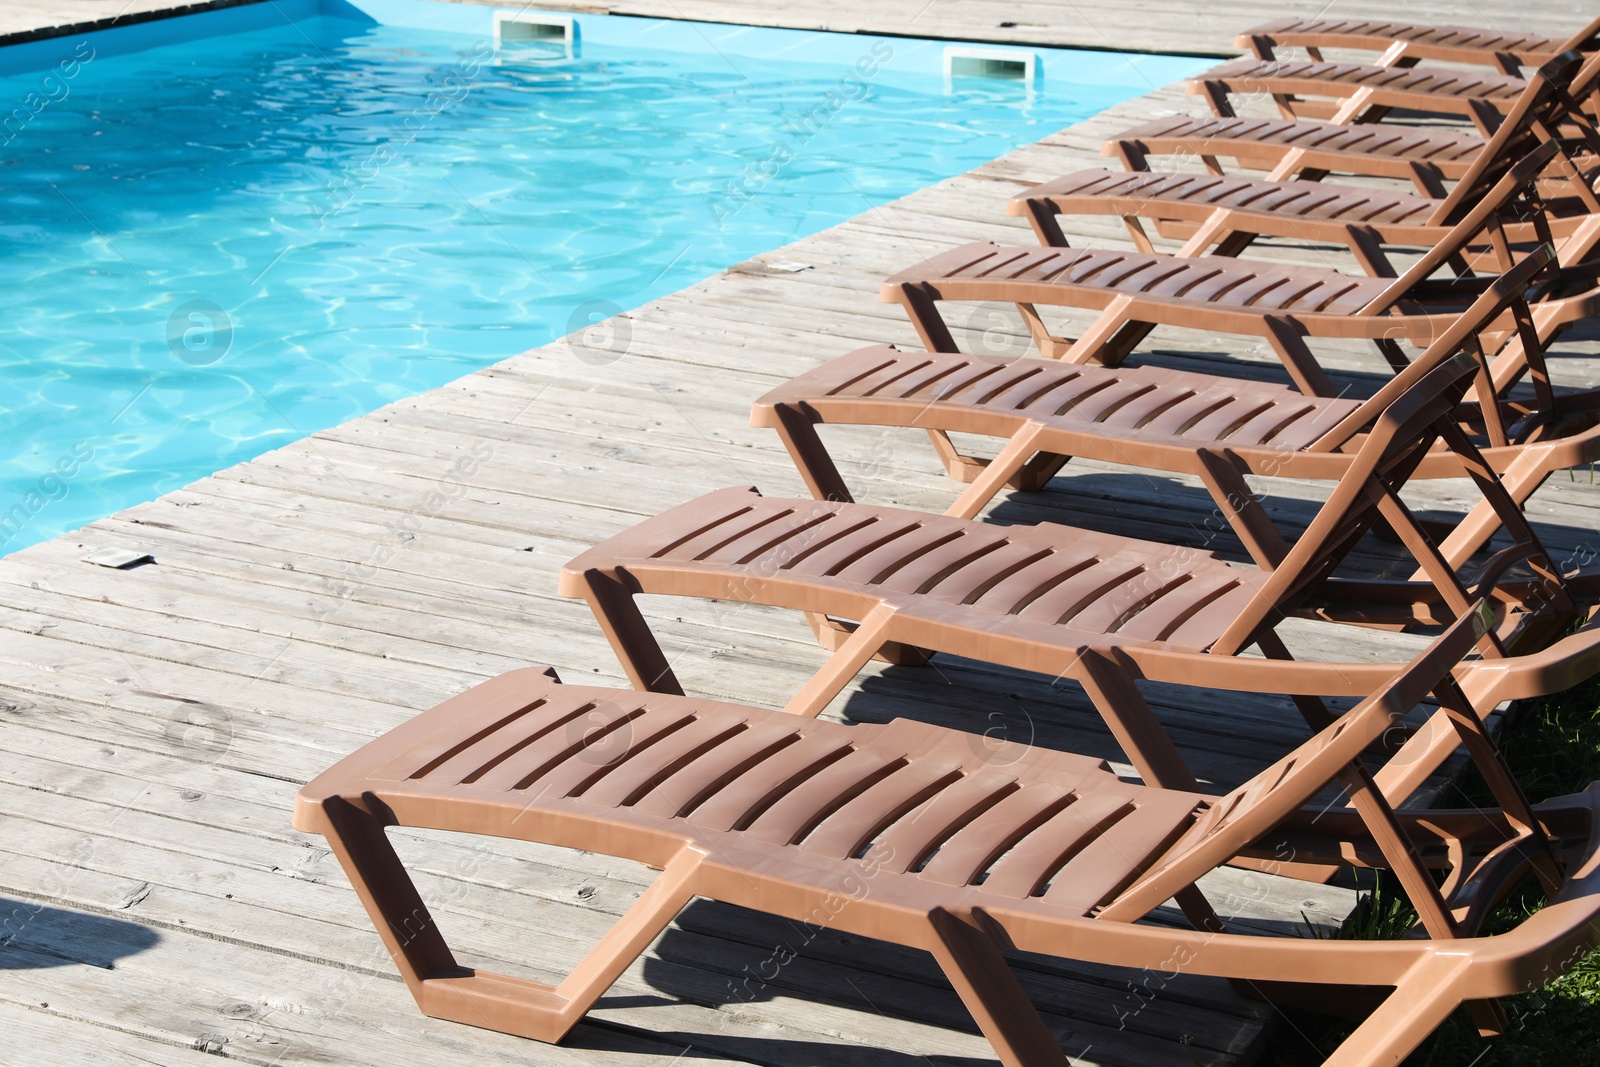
(67, 29)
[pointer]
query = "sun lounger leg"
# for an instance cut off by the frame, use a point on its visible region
(1217, 96)
(998, 1004)
(1521, 478)
(1003, 468)
(1132, 153)
(1422, 1000)
(831, 634)
(1311, 708)
(1037, 472)
(636, 647)
(851, 655)
(924, 313)
(1290, 344)
(816, 467)
(1030, 476)
(1109, 338)
(669, 894)
(356, 838)
(1123, 707)
(1216, 230)
(960, 467)
(1239, 506)
(1049, 345)
(1368, 251)
(443, 988)
(1045, 227)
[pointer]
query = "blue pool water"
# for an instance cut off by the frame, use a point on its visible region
(224, 232)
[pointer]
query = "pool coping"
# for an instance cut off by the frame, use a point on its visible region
(49, 31)
(123, 18)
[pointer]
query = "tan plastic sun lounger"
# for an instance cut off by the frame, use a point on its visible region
(905, 833)
(1424, 156)
(1282, 304)
(1231, 210)
(1404, 43)
(1097, 608)
(1365, 93)
(1218, 429)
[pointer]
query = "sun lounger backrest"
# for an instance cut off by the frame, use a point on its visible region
(1506, 291)
(1574, 107)
(1539, 107)
(1482, 217)
(1399, 439)
(1585, 40)
(1235, 821)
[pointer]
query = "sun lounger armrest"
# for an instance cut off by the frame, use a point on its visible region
(1570, 661)
(1548, 943)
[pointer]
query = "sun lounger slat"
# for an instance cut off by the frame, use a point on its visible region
(783, 534)
(1149, 405)
(964, 857)
(515, 723)
(910, 840)
(746, 796)
(994, 389)
(790, 818)
(1025, 584)
(682, 791)
(1103, 403)
(926, 379)
(888, 557)
(1026, 869)
(1010, 559)
(853, 826)
(1279, 424)
(707, 528)
(966, 562)
(1110, 613)
(1060, 394)
(1223, 423)
(521, 760)
(863, 381)
(1200, 628)
(1177, 280)
(471, 761)
(1065, 599)
(891, 375)
(1024, 386)
(961, 378)
(1112, 860)
(1160, 620)
(627, 781)
(588, 759)
(1178, 418)
(831, 557)
(736, 532)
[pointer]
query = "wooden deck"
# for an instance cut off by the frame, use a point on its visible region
(156, 722)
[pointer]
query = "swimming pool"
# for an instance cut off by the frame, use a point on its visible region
(228, 230)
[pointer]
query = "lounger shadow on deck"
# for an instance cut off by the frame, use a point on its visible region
(37, 936)
(1083, 1004)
